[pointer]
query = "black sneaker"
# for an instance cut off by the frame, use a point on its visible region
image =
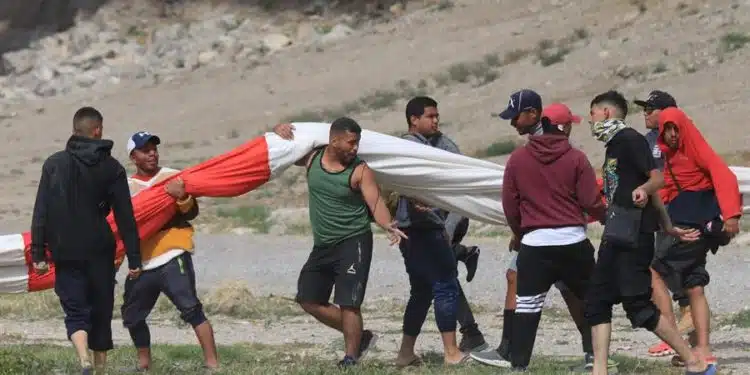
(366, 343)
(347, 362)
(472, 340)
(472, 262)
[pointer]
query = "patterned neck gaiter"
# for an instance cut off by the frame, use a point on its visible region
(606, 130)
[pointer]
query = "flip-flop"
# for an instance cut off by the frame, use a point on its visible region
(661, 349)
(415, 362)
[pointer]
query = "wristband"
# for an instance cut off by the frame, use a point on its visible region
(185, 201)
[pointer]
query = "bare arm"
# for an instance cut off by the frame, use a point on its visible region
(654, 183)
(364, 179)
(664, 219)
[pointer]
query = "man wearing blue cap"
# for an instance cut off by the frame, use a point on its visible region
(166, 257)
(524, 111)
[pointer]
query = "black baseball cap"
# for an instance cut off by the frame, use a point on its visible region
(657, 100)
(521, 101)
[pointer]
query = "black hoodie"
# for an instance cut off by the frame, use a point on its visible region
(78, 187)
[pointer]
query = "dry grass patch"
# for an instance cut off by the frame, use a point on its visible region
(232, 299)
(738, 158)
(235, 299)
(32, 306)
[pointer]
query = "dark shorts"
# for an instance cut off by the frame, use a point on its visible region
(176, 279)
(87, 295)
(623, 275)
(683, 264)
(345, 265)
(539, 267)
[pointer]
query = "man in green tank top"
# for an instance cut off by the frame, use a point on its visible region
(343, 199)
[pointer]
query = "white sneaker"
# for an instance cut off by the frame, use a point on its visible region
(491, 358)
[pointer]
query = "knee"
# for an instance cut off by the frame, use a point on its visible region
(447, 289)
(194, 315)
(641, 312)
(695, 292)
(310, 307)
(511, 276)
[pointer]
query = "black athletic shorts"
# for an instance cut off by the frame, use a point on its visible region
(683, 264)
(345, 265)
(176, 279)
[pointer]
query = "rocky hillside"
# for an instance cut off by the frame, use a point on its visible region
(207, 77)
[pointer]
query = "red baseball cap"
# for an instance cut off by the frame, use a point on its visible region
(559, 114)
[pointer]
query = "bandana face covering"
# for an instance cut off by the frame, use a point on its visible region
(606, 130)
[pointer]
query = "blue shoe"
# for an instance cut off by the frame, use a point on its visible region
(710, 370)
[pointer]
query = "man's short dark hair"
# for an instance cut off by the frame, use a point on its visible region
(417, 105)
(345, 124)
(613, 98)
(86, 119)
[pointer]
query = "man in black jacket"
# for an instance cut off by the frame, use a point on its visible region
(77, 188)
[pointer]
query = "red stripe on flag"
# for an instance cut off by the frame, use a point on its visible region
(227, 175)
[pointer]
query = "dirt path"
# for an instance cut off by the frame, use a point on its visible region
(269, 265)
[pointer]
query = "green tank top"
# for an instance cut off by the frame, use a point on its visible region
(337, 212)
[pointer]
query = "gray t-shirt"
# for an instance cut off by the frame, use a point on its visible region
(652, 136)
(407, 217)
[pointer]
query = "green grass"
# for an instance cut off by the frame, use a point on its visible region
(256, 217)
(733, 41)
(264, 359)
(502, 147)
(740, 319)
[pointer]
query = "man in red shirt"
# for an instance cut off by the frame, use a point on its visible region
(700, 192)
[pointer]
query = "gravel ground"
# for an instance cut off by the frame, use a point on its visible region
(270, 265)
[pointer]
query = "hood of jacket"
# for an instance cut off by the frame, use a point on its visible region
(548, 147)
(688, 132)
(89, 151)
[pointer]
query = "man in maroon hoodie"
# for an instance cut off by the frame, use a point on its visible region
(548, 188)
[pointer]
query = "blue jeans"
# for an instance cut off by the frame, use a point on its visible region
(431, 266)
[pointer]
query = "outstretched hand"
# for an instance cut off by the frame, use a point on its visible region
(685, 235)
(421, 207)
(394, 234)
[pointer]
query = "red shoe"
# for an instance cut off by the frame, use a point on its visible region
(661, 349)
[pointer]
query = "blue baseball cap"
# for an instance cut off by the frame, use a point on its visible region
(140, 139)
(521, 101)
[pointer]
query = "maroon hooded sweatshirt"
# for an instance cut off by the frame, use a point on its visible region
(549, 184)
